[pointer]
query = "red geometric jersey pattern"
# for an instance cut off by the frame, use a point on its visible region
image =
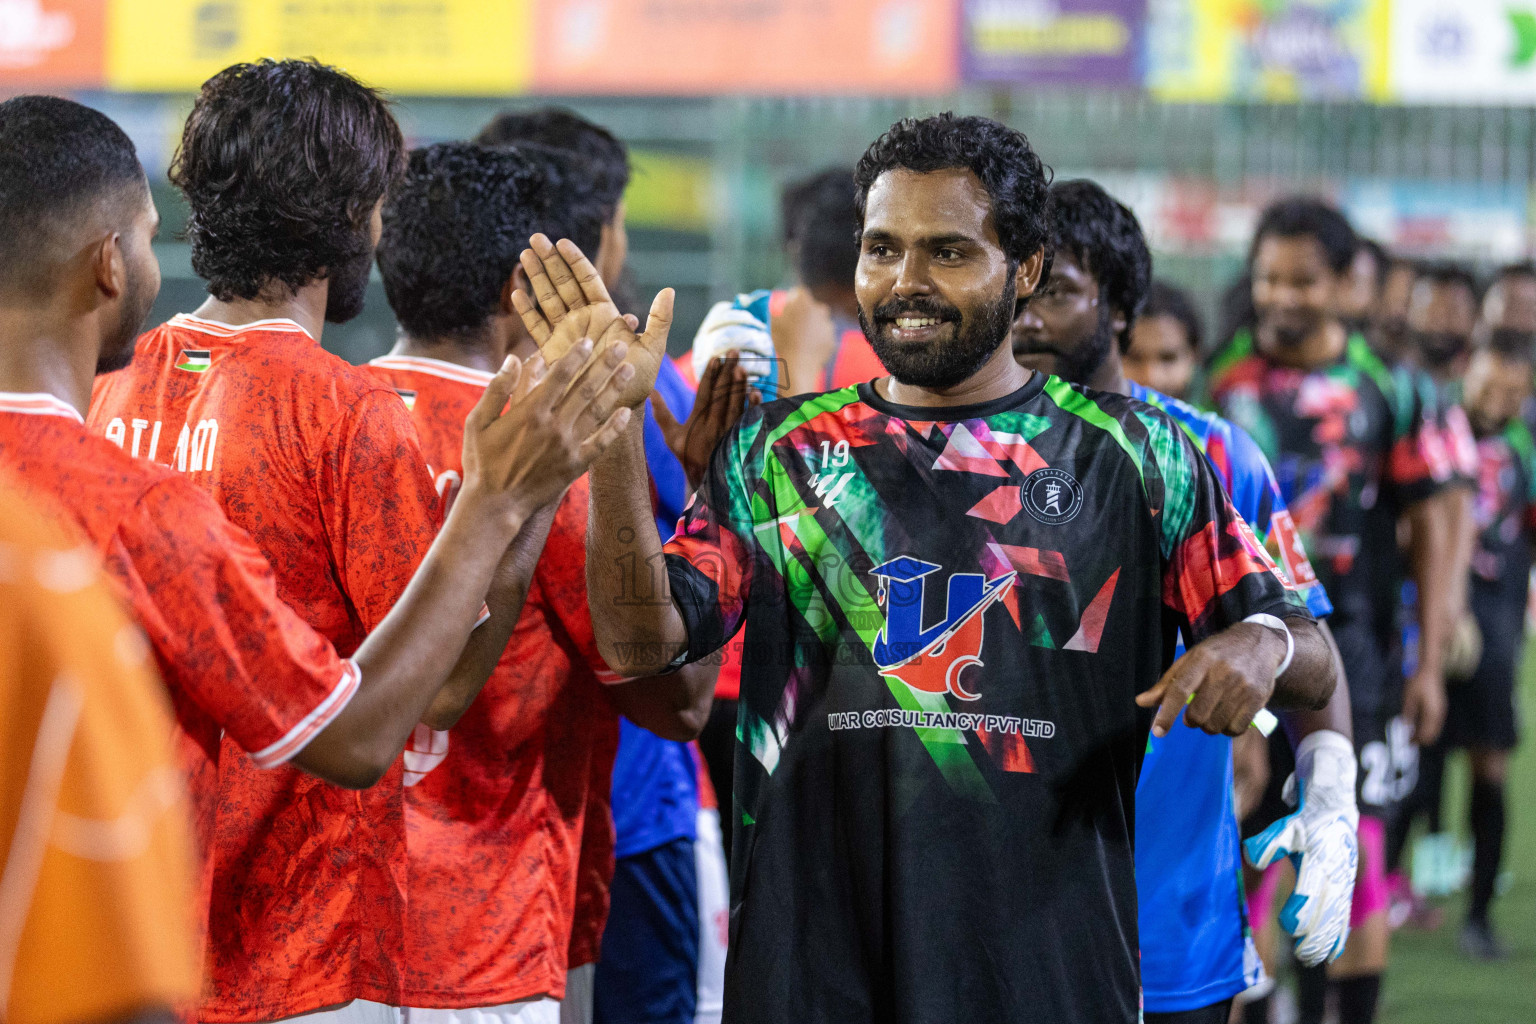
(235, 659)
(509, 831)
(319, 463)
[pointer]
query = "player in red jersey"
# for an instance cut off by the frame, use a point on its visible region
(499, 808)
(319, 462)
(236, 659)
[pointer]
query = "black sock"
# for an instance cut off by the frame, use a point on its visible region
(1358, 998)
(1487, 845)
(1256, 1012)
(1311, 993)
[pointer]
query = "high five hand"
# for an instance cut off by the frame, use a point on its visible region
(564, 282)
(553, 426)
(723, 396)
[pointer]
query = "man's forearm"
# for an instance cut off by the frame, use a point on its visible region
(405, 660)
(1431, 558)
(1309, 681)
(487, 642)
(1335, 715)
(674, 706)
(638, 629)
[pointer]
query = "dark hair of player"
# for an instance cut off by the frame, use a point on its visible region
(796, 199)
(1102, 236)
(1163, 299)
(1000, 157)
(1303, 217)
(1451, 275)
(573, 208)
(1524, 268)
(602, 156)
(282, 163)
(58, 160)
(829, 247)
(453, 228)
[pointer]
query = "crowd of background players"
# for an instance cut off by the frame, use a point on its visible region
(641, 827)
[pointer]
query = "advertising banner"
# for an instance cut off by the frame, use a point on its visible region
(1079, 42)
(422, 47)
(51, 44)
(1213, 50)
(689, 47)
(1452, 51)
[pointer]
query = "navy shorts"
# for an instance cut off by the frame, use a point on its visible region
(649, 971)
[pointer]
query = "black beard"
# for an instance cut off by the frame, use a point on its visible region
(120, 348)
(940, 366)
(348, 287)
(1078, 364)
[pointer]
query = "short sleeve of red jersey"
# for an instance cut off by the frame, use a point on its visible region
(1420, 460)
(206, 596)
(1215, 571)
(380, 506)
(562, 577)
(710, 558)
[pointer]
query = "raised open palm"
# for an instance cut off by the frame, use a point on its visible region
(565, 283)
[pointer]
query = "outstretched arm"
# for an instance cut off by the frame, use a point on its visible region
(514, 463)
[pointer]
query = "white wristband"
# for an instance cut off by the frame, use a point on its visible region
(1275, 622)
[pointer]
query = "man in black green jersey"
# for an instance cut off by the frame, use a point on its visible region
(960, 585)
(1356, 445)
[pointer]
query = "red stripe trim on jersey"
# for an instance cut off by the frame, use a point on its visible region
(38, 403)
(311, 724)
(434, 368)
(280, 325)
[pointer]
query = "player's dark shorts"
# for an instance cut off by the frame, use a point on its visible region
(1389, 762)
(1480, 711)
(649, 969)
(1216, 1014)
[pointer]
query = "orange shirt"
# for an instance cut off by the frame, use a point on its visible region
(95, 860)
(236, 660)
(503, 807)
(319, 463)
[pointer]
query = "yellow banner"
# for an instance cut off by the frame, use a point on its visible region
(421, 47)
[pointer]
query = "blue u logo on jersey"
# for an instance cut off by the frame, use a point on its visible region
(932, 659)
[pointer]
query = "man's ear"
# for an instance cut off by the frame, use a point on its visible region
(1028, 277)
(517, 282)
(108, 265)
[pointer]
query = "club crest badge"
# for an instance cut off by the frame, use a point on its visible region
(1052, 496)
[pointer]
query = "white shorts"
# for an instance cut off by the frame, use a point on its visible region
(714, 917)
(362, 1011)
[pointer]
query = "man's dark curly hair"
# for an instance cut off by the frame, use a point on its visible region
(1104, 237)
(59, 163)
(573, 209)
(1000, 157)
(1305, 217)
(282, 163)
(453, 228)
(603, 156)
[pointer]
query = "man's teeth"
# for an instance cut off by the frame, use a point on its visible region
(910, 322)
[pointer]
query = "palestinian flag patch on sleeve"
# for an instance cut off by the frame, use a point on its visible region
(408, 397)
(195, 360)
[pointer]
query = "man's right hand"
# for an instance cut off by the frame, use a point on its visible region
(565, 283)
(723, 396)
(523, 458)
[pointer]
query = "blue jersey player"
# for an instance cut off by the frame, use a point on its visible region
(1196, 951)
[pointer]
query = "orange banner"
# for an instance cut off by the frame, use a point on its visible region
(51, 44)
(752, 46)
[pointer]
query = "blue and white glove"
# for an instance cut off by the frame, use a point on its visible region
(1322, 840)
(741, 326)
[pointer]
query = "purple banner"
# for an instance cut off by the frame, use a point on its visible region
(1081, 42)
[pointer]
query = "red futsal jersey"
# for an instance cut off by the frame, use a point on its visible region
(319, 463)
(507, 808)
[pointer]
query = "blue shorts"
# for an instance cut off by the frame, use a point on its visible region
(649, 969)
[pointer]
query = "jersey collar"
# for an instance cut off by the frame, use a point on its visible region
(433, 367)
(38, 403)
(279, 325)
